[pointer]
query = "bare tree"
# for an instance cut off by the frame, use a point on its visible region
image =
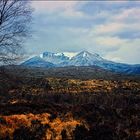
(15, 16)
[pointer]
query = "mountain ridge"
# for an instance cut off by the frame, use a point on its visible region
(84, 58)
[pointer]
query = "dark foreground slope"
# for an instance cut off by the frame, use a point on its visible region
(34, 104)
(72, 72)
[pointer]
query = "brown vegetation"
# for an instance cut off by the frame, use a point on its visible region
(38, 126)
(42, 108)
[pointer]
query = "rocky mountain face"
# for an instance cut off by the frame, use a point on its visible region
(54, 58)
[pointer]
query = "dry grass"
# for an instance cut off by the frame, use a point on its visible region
(52, 128)
(61, 108)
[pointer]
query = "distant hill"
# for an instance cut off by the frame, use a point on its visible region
(84, 58)
(71, 72)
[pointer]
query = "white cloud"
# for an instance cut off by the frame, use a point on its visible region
(113, 28)
(62, 8)
(77, 30)
(125, 14)
(70, 54)
(108, 28)
(123, 20)
(51, 6)
(127, 53)
(113, 58)
(110, 41)
(73, 13)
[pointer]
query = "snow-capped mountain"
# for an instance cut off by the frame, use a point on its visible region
(54, 58)
(84, 58)
(37, 62)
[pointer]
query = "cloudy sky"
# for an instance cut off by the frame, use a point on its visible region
(111, 29)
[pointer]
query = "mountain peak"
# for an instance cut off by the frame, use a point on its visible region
(85, 58)
(54, 57)
(85, 53)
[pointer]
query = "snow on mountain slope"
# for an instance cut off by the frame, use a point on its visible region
(37, 62)
(54, 58)
(85, 58)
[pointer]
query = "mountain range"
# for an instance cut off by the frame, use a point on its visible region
(84, 58)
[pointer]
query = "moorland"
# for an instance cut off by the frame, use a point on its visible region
(81, 103)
